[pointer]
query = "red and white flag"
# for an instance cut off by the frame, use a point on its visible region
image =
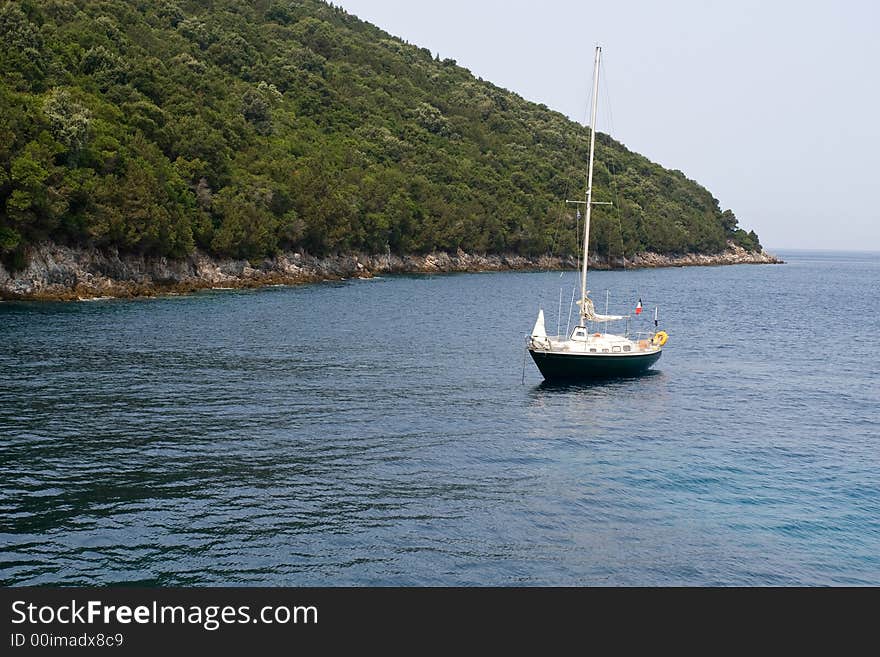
(639, 307)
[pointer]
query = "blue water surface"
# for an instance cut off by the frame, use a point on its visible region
(391, 432)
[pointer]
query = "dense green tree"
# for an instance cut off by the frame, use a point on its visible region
(21, 56)
(68, 119)
(247, 228)
(246, 127)
(256, 107)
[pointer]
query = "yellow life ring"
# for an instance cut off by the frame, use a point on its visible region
(660, 338)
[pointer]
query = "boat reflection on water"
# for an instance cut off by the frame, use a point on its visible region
(616, 381)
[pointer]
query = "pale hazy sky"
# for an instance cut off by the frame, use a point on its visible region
(773, 106)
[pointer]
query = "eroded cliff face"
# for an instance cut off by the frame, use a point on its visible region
(734, 255)
(67, 273)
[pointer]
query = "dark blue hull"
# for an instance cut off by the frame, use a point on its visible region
(584, 367)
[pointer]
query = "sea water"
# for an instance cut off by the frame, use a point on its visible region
(392, 432)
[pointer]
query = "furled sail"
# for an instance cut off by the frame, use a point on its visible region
(588, 312)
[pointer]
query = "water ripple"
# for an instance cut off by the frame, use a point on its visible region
(379, 434)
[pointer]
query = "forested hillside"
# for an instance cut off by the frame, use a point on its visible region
(247, 127)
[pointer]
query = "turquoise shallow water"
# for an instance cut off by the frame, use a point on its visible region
(378, 432)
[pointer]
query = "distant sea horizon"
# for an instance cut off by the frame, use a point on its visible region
(775, 250)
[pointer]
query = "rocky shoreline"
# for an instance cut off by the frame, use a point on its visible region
(63, 273)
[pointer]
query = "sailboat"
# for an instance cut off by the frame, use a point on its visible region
(591, 350)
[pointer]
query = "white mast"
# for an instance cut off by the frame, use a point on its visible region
(585, 313)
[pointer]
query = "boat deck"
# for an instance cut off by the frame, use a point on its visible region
(596, 343)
